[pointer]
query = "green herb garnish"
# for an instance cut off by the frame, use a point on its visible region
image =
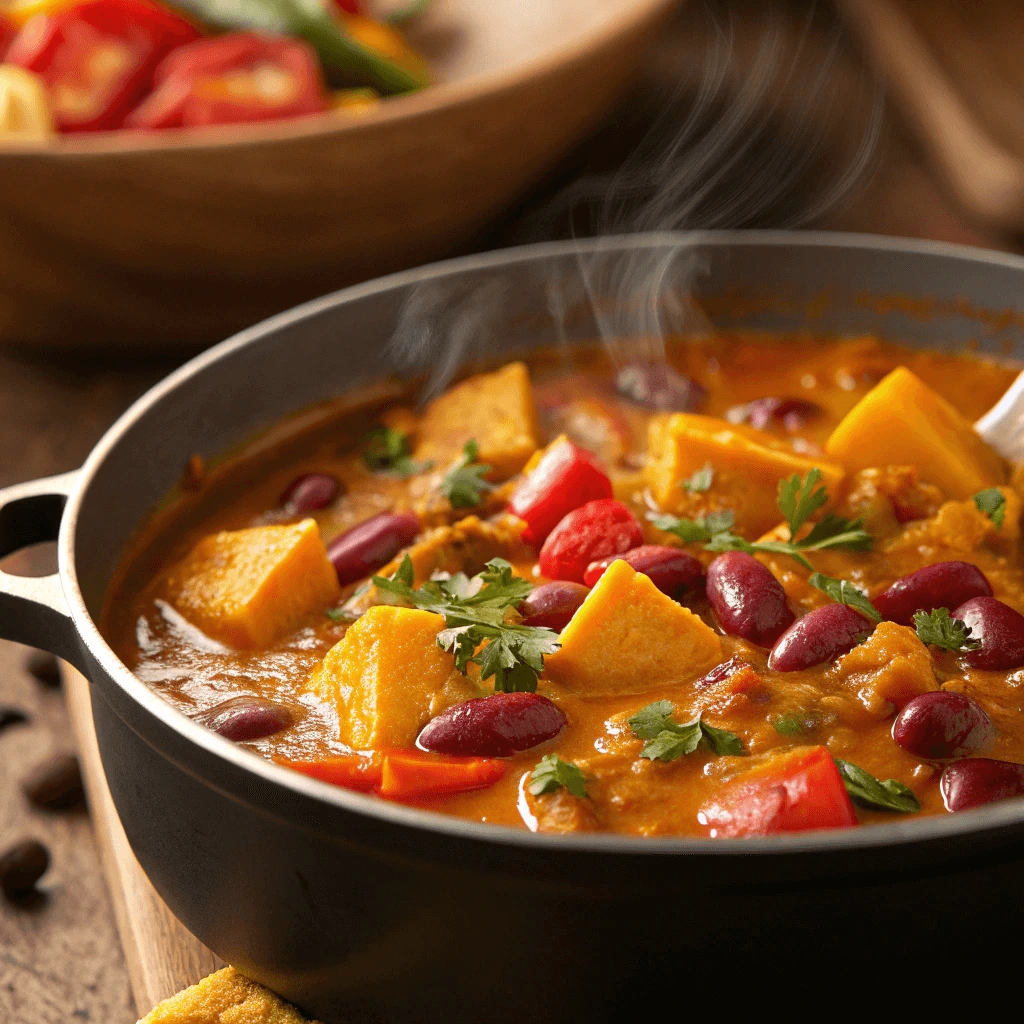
(846, 593)
(798, 499)
(479, 610)
(703, 528)
(701, 480)
(791, 725)
(939, 629)
(866, 790)
(388, 450)
(464, 484)
(993, 503)
(668, 740)
(553, 773)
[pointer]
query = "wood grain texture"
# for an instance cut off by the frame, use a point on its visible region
(162, 956)
(954, 69)
(109, 241)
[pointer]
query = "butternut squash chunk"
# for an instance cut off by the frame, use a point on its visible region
(382, 676)
(628, 637)
(748, 467)
(901, 420)
(248, 588)
(496, 409)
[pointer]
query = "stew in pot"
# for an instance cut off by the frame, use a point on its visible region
(769, 584)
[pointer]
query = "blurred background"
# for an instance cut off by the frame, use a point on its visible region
(168, 177)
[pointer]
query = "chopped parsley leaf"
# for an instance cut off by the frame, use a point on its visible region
(866, 790)
(668, 740)
(993, 503)
(939, 629)
(846, 593)
(553, 773)
(701, 480)
(464, 484)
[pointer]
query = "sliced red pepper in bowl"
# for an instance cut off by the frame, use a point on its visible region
(97, 58)
(403, 775)
(792, 792)
(238, 78)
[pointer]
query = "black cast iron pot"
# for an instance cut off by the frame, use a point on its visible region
(361, 910)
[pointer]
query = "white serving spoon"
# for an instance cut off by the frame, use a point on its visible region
(1003, 425)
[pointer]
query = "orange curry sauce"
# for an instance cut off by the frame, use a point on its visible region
(846, 705)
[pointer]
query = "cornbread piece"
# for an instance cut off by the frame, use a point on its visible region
(495, 409)
(248, 588)
(225, 997)
(383, 675)
(628, 637)
(901, 420)
(748, 466)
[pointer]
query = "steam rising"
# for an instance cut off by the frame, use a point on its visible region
(747, 153)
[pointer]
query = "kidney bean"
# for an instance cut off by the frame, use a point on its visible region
(309, 492)
(941, 725)
(246, 718)
(672, 571)
(496, 726)
(55, 784)
(942, 585)
(747, 599)
(657, 386)
(552, 604)
(720, 672)
(368, 546)
(979, 780)
(21, 867)
(44, 667)
(792, 413)
(821, 635)
(599, 528)
(566, 477)
(1000, 630)
(11, 716)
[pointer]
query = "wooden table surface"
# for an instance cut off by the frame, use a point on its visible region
(60, 960)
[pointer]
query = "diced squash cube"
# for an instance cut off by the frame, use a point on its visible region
(248, 588)
(382, 676)
(748, 466)
(901, 420)
(495, 409)
(628, 637)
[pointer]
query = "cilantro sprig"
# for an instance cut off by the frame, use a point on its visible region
(477, 611)
(668, 739)
(387, 450)
(464, 484)
(701, 480)
(846, 593)
(876, 794)
(993, 503)
(552, 773)
(798, 499)
(939, 629)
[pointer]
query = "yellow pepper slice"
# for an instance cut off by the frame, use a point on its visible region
(24, 106)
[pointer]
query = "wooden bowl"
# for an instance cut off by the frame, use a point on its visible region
(180, 239)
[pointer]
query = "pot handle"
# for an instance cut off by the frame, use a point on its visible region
(32, 608)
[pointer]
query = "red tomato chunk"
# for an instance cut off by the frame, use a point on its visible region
(597, 529)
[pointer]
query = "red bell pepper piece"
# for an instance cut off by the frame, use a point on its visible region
(794, 792)
(349, 6)
(595, 530)
(98, 58)
(237, 78)
(566, 477)
(403, 774)
(412, 775)
(351, 771)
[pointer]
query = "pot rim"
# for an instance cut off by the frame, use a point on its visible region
(987, 820)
